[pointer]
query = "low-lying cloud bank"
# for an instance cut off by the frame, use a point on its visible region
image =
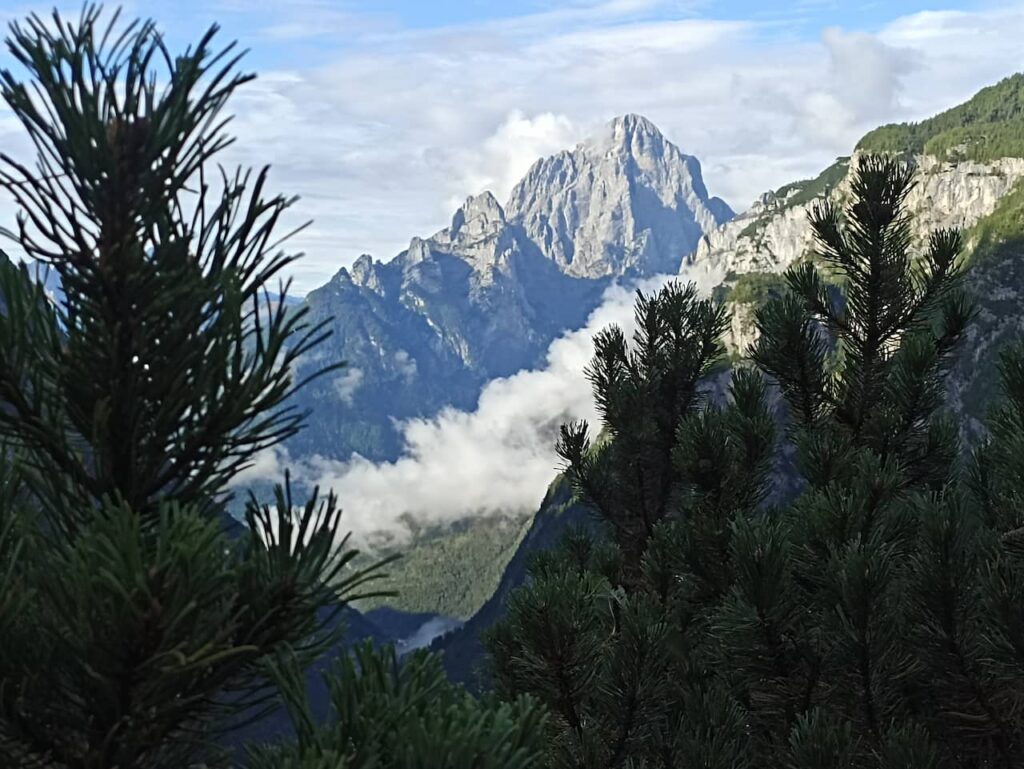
(498, 459)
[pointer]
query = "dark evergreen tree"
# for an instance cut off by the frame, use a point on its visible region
(867, 621)
(867, 371)
(404, 714)
(875, 620)
(132, 628)
(829, 647)
(609, 633)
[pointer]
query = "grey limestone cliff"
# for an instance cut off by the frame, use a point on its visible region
(486, 295)
(626, 202)
(773, 233)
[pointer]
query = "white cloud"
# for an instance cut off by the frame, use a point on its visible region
(406, 364)
(497, 459)
(507, 154)
(427, 632)
(866, 74)
(389, 126)
(346, 384)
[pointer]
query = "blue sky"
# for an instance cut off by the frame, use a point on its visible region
(251, 22)
(383, 115)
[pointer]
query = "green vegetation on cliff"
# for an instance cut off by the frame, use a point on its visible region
(799, 193)
(987, 127)
(750, 288)
(1004, 226)
(450, 570)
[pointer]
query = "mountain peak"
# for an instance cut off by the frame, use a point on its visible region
(629, 134)
(632, 123)
(626, 201)
(482, 213)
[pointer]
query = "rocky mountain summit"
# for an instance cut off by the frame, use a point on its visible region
(485, 296)
(627, 202)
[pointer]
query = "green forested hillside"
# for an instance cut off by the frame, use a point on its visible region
(450, 570)
(987, 127)
(462, 648)
(798, 193)
(750, 287)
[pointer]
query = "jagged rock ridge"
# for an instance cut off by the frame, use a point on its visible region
(485, 296)
(625, 202)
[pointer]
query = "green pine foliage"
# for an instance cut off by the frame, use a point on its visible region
(875, 620)
(900, 318)
(606, 634)
(404, 715)
(133, 629)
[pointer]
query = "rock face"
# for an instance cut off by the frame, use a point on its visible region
(774, 233)
(965, 181)
(627, 202)
(485, 296)
(741, 333)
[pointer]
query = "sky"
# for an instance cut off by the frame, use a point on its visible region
(383, 115)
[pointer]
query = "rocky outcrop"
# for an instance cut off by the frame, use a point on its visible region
(627, 202)
(774, 233)
(478, 234)
(741, 333)
(485, 296)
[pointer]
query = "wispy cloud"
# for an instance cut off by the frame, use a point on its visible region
(497, 459)
(379, 126)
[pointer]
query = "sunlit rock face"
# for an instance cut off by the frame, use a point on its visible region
(485, 296)
(627, 202)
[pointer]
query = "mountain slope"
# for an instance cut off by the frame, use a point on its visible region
(462, 650)
(987, 127)
(984, 195)
(484, 297)
(449, 570)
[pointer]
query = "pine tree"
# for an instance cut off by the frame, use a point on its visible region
(608, 634)
(403, 714)
(133, 629)
(881, 388)
(132, 625)
(876, 619)
(867, 622)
